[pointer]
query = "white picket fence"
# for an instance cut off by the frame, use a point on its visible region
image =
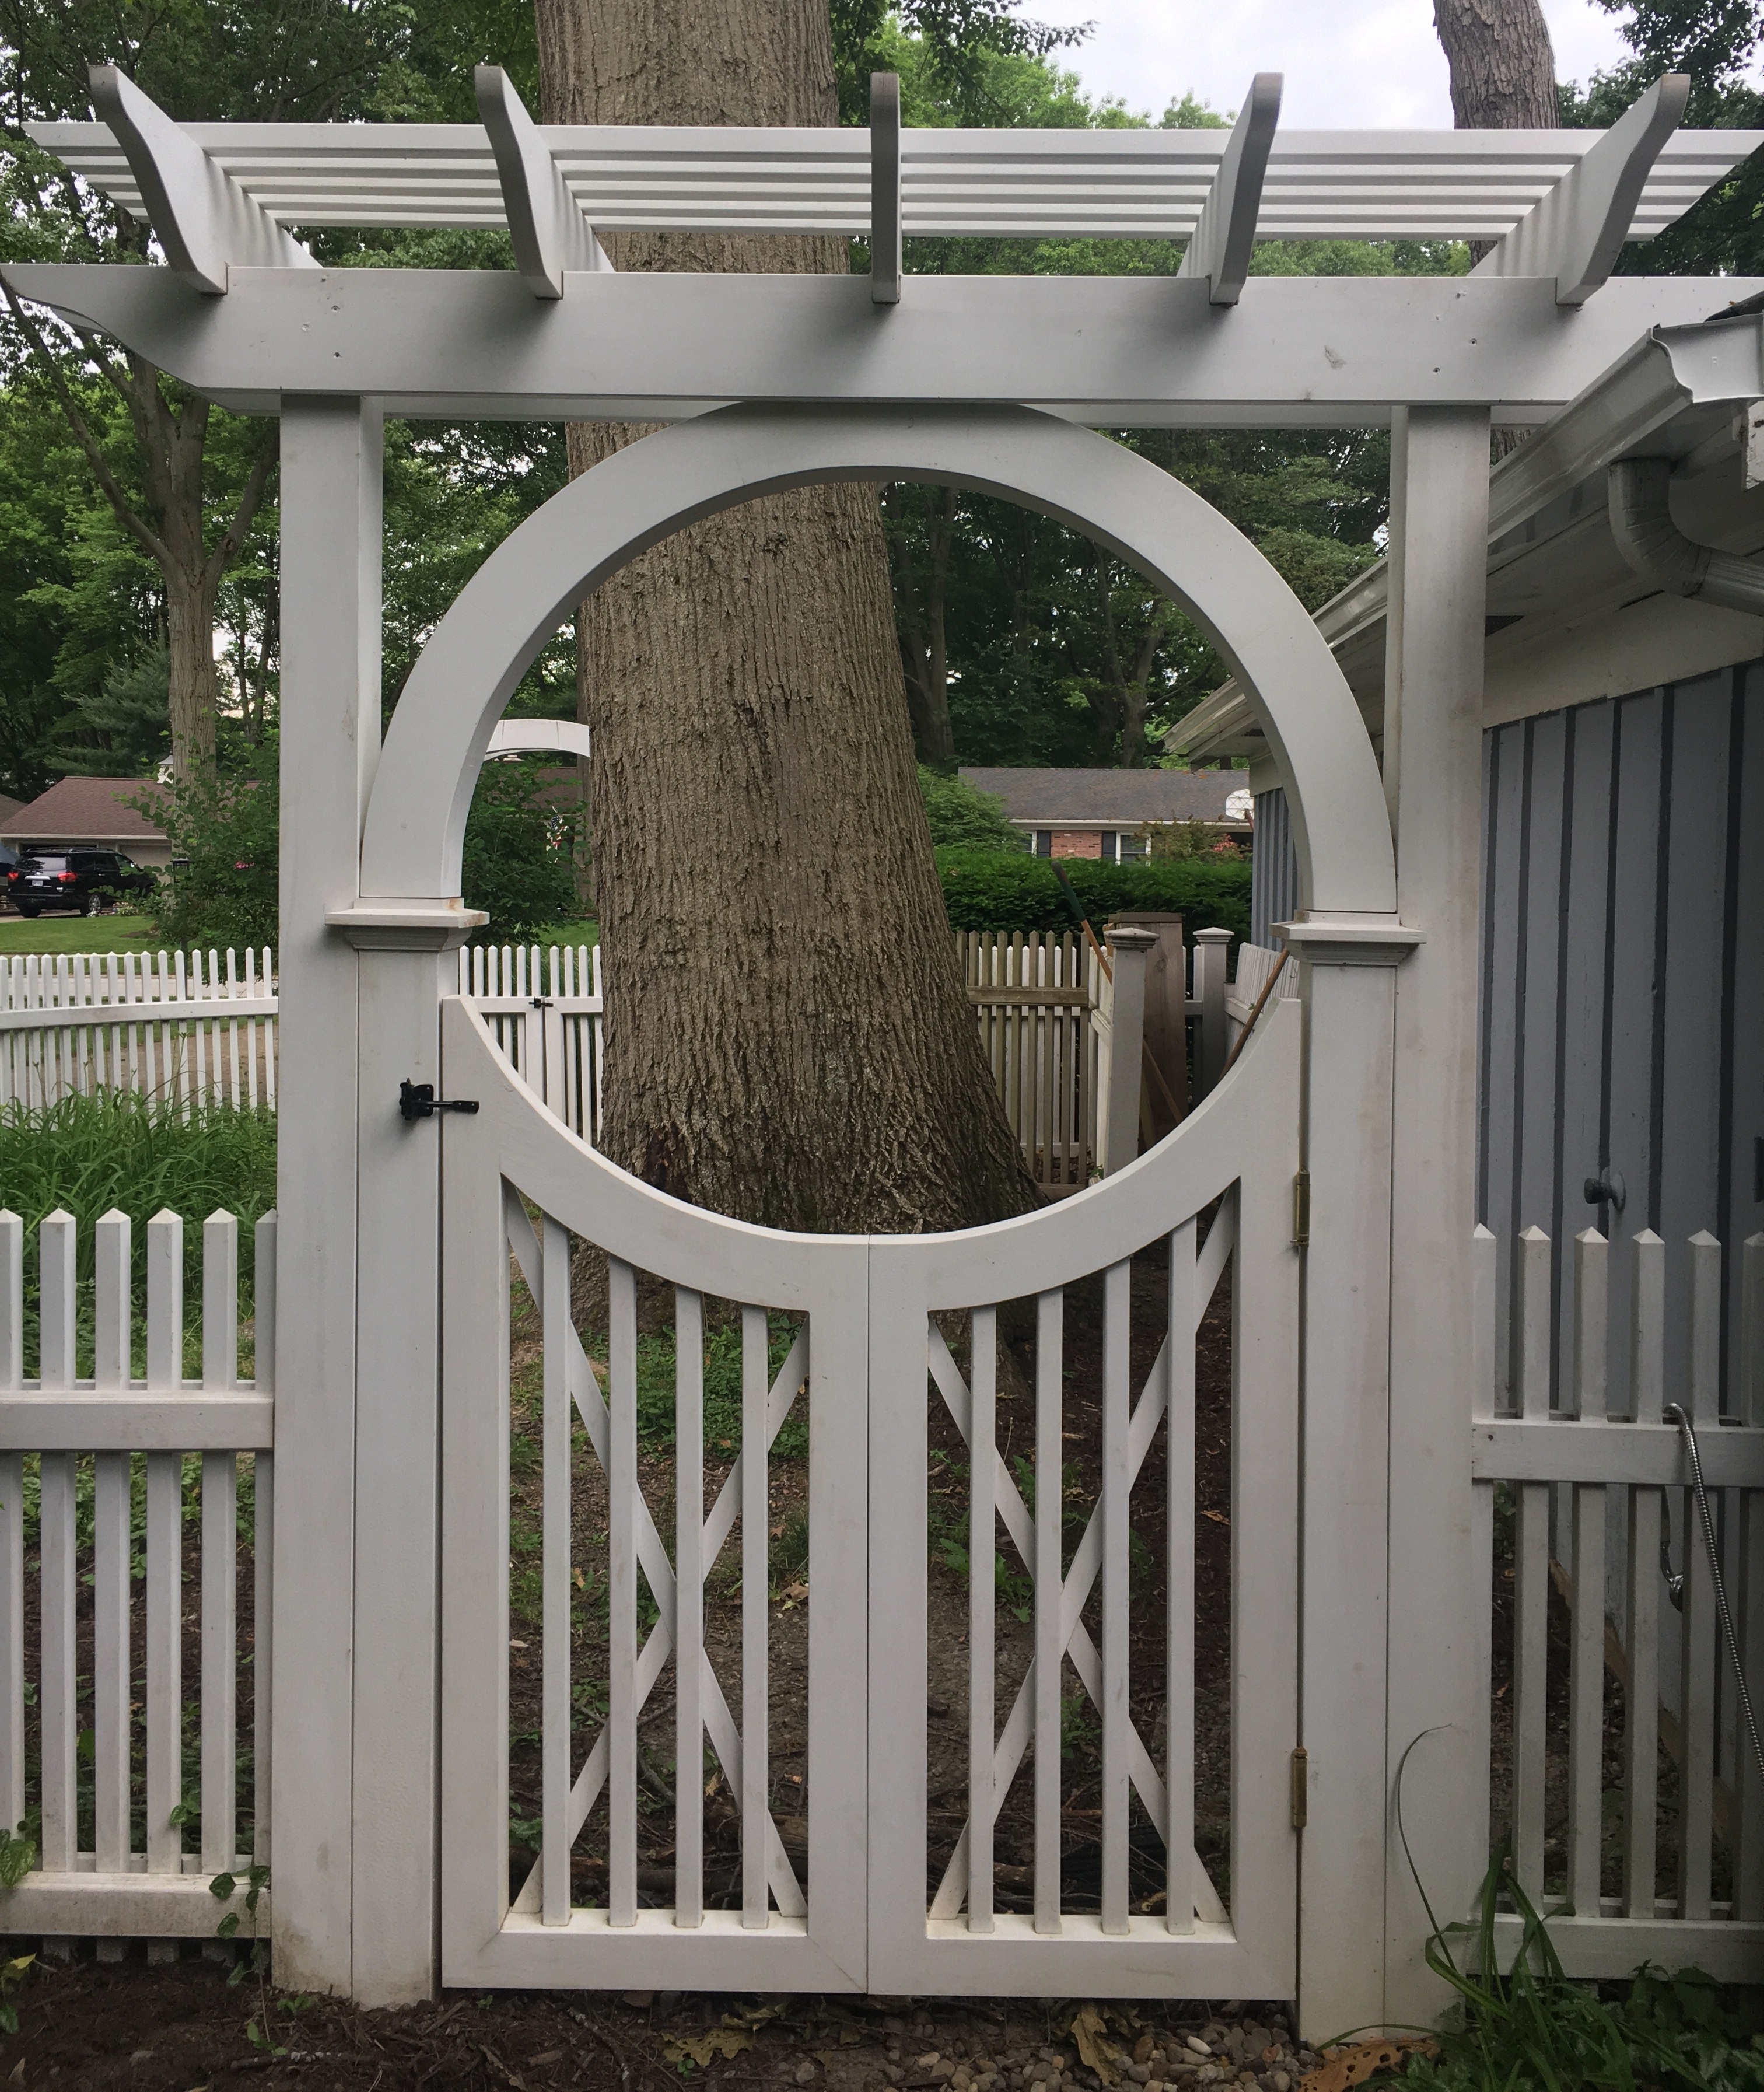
(96, 1735)
(543, 1009)
(185, 1026)
(1630, 1874)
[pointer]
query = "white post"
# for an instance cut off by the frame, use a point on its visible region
(1350, 997)
(1439, 466)
(1127, 950)
(330, 717)
(404, 972)
(1212, 955)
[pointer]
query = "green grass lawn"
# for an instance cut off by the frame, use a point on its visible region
(138, 933)
(79, 933)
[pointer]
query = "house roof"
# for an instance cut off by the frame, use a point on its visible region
(8, 808)
(1126, 798)
(84, 809)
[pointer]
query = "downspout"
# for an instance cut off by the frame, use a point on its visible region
(1642, 523)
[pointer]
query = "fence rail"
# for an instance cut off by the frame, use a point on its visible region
(121, 1513)
(188, 1027)
(1664, 1868)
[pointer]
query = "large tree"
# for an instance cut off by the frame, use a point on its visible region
(787, 1035)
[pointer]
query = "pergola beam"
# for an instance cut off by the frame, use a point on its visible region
(1114, 352)
(204, 220)
(884, 189)
(1576, 232)
(1225, 239)
(549, 234)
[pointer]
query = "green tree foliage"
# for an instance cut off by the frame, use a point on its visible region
(519, 860)
(1717, 43)
(226, 843)
(963, 817)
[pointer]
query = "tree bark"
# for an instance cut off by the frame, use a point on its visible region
(787, 1035)
(1503, 70)
(1503, 78)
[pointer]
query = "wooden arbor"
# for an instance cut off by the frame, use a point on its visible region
(970, 380)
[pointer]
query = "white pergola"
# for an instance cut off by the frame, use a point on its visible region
(783, 380)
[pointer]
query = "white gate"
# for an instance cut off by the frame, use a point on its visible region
(829, 1685)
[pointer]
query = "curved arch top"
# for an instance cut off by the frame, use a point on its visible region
(467, 673)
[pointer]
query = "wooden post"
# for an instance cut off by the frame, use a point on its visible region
(1128, 952)
(1439, 461)
(331, 717)
(1212, 955)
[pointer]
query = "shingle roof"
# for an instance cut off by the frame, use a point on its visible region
(8, 808)
(1128, 797)
(84, 809)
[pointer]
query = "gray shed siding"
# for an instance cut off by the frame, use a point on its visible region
(1273, 868)
(1623, 907)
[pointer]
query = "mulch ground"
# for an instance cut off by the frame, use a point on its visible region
(181, 2028)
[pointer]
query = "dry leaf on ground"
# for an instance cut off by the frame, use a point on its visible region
(1342, 2068)
(1094, 2049)
(727, 2041)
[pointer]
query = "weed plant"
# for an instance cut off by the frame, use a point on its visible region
(1534, 2030)
(138, 1155)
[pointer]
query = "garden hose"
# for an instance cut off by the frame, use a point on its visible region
(1676, 1412)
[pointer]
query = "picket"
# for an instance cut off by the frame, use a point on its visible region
(196, 1028)
(83, 1435)
(1633, 1872)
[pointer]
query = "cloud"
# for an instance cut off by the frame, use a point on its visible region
(1349, 64)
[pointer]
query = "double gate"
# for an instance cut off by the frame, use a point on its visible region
(909, 1614)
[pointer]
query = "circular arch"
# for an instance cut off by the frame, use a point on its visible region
(478, 653)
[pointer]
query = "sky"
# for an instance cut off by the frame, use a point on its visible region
(1371, 64)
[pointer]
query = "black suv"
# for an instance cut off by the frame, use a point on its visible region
(81, 880)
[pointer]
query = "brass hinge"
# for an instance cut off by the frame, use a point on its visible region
(1301, 1210)
(1301, 1787)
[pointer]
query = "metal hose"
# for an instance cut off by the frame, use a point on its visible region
(1676, 1412)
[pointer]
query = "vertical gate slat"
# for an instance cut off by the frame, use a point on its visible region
(622, 1646)
(1117, 1481)
(57, 1687)
(1586, 1662)
(555, 1780)
(1531, 1575)
(263, 1541)
(220, 1553)
(689, 1608)
(12, 1527)
(1180, 1585)
(982, 1601)
(755, 1688)
(1049, 1656)
(165, 1553)
(1697, 1702)
(111, 1670)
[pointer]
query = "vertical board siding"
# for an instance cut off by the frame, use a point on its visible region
(1623, 1017)
(1273, 867)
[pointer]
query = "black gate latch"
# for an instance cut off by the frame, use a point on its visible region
(418, 1100)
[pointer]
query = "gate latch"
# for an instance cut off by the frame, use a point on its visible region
(418, 1100)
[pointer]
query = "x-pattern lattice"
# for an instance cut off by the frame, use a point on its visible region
(1076, 1640)
(658, 1570)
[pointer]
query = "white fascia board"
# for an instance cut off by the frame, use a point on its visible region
(1108, 351)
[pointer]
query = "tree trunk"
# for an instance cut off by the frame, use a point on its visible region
(787, 1038)
(1503, 78)
(195, 690)
(1503, 72)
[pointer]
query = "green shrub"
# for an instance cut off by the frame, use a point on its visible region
(962, 817)
(86, 1155)
(986, 890)
(226, 831)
